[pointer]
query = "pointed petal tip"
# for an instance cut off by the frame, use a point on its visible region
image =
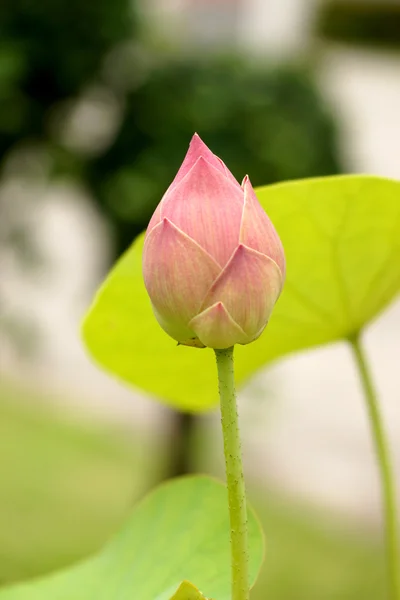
(215, 328)
(201, 168)
(202, 160)
(219, 308)
(196, 148)
(166, 224)
(247, 186)
(203, 164)
(197, 144)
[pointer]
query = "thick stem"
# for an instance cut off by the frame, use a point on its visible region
(386, 472)
(234, 475)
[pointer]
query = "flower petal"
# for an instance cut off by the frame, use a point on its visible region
(257, 230)
(249, 286)
(207, 207)
(197, 148)
(177, 274)
(215, 328)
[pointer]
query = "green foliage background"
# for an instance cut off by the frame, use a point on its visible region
(268, 122)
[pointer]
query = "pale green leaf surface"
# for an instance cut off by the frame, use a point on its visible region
(342, 242)
(180, 532)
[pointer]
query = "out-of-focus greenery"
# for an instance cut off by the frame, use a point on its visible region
(65, 488)
(309, 559)
(361, 22)
(49, 50)
(272, 124)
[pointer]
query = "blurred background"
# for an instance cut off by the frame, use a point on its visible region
(98, 101)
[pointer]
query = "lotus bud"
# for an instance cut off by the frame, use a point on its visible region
(213, 263)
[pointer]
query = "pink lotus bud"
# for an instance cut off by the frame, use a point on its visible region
(213, 263)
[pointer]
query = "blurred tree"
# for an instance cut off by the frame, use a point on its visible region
(49, 50)
(270, 123)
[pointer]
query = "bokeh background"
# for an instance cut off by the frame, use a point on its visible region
(98, 101)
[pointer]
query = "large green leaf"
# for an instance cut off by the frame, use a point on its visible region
(179, 533)
(342, 242)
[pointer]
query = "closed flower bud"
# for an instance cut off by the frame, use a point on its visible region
(213, 263)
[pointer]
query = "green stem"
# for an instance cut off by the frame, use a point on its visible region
(234, 475)
(386, 472)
